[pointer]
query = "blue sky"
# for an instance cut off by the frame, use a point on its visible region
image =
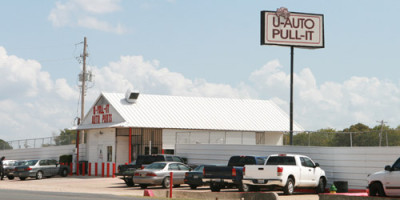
(195, 48)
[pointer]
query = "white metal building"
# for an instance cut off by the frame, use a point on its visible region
(121, 126)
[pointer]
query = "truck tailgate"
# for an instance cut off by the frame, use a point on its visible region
(224, 172)
(260, 172)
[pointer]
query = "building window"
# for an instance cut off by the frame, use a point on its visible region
(154, 150)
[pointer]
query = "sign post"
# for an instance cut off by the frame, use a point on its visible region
(293, 29)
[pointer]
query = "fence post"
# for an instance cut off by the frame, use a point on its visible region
(102, 169)
(70, 168)
(77, 169)
(170, 184)
(113, 172)
(90, 169)
(108, 169)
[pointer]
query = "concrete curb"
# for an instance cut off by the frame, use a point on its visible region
(346, 197)
(219, 195)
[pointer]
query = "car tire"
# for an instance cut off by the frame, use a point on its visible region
(22, 178)
(244, 188)
(166, 183)
(289, 187)
(129, 182)
(193, 187)
(376, 189)
(39, 175)
(64, 172)
(215, 187)
(321, 186)
(10, 177)
(143, 186)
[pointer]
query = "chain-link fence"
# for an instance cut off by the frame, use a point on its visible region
(346, 139)
(308, 138)
(38, 142)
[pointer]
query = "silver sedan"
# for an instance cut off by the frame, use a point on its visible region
(37, 169)
(158, 173)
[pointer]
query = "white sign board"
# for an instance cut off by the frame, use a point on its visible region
(295, 29)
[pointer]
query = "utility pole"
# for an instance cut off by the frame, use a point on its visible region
(84, 79)
(380, 133)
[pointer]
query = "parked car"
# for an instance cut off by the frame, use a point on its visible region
(386, 182)
(219, 177)
(40, 168)
(9, 167)
(127, 171)
(158, 173)
(284, 172)
(194, 178)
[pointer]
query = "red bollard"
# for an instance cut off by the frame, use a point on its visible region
(83, 169)
(77, 169)
(170, 184)
(113, 172)
(70, 169)
(90, 169)
(102, 169)
(108, 169)
(95, 168)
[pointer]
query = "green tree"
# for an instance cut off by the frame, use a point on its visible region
(4, 145)
(357, 128)
(66, 137)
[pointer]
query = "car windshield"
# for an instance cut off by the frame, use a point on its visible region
(30, 162)
(156, 166)
(10, 163)
(19, 163)
(144, 160)
(241, 161)
(199, 168)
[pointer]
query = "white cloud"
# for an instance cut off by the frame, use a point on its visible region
(146, 76)
(86, 13)
(98, 6)
(93, 23)
(34, 105)
(337, 105)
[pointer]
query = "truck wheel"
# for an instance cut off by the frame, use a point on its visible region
(376, 189)
(64, 172)
(289, 187)
(321, 186)
(166, 182)
(22, 178)
(193, 187)
(215, 187)
(244, 188)
(143, 186)
(10, 177)
(129, 182)
(39, 175)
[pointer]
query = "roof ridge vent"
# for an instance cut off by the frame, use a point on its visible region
(131, 96)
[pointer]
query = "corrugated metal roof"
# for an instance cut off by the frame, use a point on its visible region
(178, 112)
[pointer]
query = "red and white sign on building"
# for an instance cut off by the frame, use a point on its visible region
(101, 114)
(292, 29)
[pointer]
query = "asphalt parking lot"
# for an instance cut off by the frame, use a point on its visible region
(100, 185)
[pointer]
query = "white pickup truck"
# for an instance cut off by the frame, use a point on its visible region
(387, 182)
(284, 172)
